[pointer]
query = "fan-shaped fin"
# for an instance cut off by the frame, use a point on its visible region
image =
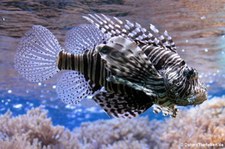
(82, 38)
(72, 87)
(36, 55)
(120, 105)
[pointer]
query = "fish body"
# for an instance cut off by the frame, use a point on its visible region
(137, 67)
(120, 97)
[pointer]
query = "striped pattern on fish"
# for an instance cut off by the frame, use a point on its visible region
(125, 67)
(93, 68)
(181, 80)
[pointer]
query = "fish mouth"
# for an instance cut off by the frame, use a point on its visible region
(197, 97)
(199, 94)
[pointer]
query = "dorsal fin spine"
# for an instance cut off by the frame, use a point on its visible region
(134, 30)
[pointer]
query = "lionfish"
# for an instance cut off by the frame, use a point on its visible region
(124, 67)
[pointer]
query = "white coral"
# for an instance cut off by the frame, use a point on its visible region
(34, 130)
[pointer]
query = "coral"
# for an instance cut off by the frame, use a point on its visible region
(121, 133)
(33, 131)
(198, 127)
(202, 125)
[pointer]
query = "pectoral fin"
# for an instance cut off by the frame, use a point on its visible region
(126, 60)
(122, 106)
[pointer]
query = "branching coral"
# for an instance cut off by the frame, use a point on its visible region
(203, 125)
(115, 133)
(32, 131)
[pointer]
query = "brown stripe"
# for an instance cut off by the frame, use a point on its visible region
(85, 65)
(95, 73)
(73, 61)
(60, 60)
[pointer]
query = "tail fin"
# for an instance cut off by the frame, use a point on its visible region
(36, 57)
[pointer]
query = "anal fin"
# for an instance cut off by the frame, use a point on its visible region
(72, 87)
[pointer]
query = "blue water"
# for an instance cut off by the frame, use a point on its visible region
(61, 114)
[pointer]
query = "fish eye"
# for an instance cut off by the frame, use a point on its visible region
(182, 63)
(190, 73)
(105, 49)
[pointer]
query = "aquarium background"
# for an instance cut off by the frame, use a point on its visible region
(197, 27)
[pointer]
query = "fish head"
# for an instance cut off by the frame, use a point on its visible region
(196, 91)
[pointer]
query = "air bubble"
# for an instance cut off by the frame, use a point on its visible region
(9, 91)
(206, 50)
(17, 106)
(39, 84)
